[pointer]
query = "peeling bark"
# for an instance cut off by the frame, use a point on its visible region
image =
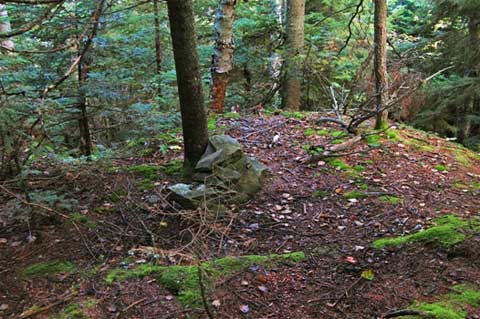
(5, 28)
(291, 93)
(380, 61)
(222, 59)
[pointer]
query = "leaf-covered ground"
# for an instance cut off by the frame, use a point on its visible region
(395, 183)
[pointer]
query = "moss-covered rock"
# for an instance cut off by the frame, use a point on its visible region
(184, 280)
(448, 231)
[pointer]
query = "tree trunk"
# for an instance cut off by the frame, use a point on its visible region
(464, 122)
(194, 113)
(158, 42)
(276, 61)
(291, 93)
(222, 59)
(85, 138)
(5, 27)
(380, 62)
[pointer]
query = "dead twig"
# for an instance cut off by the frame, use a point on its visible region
(33, 311)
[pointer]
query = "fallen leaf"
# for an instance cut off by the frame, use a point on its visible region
(368, 274)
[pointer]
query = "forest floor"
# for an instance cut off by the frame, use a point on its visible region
(107, 215)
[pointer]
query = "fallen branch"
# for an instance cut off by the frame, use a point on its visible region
(33, 311)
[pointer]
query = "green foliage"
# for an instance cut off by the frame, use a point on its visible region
(339, 164)
(184, 280)
(320, 193)
(82, 219)
(173, 168)
(146, 170)
(73, 311)
(355, 195)
(374, 140)
(390, 199)
(441, 168)
(309, 132)
(46, 269)
(448, 231)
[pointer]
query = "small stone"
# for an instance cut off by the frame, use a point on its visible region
(342, 227)
(254, 226)
(244, 308)
(244, 283)
(169, 297)
(216, 303)
(4, 307)
(358, 223)
(112, 308)
(262, 288)
(3, 241)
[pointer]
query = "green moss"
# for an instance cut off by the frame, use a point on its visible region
(232, 116)
(212, 123)
(338, 134)
(173, 168)
(441, 168)
(338, 141)
(463, 159)
(73, 311)
(82, 219)
(359, 168)
(390, 199)
(363, 186)
(297, 115)
(392, 135)
(373, 140)
(339, 164)
(49, 268)
(452, 305)
(320, 193)
(355, 195)
(323, 132)
(426, 148)
(448, 231)
(309, 132)
(183, 280)
(148, 171)
(146, 185)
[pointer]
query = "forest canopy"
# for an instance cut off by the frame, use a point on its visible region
(123, 87)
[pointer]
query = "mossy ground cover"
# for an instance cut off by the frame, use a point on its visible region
(184, 280)
(448, 231)
(49, 268)
(453, 305)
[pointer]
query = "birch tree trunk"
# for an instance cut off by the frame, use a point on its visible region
(5, 27)
(222, 59)
(192, 108)
(380, 61)
(291, 92)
